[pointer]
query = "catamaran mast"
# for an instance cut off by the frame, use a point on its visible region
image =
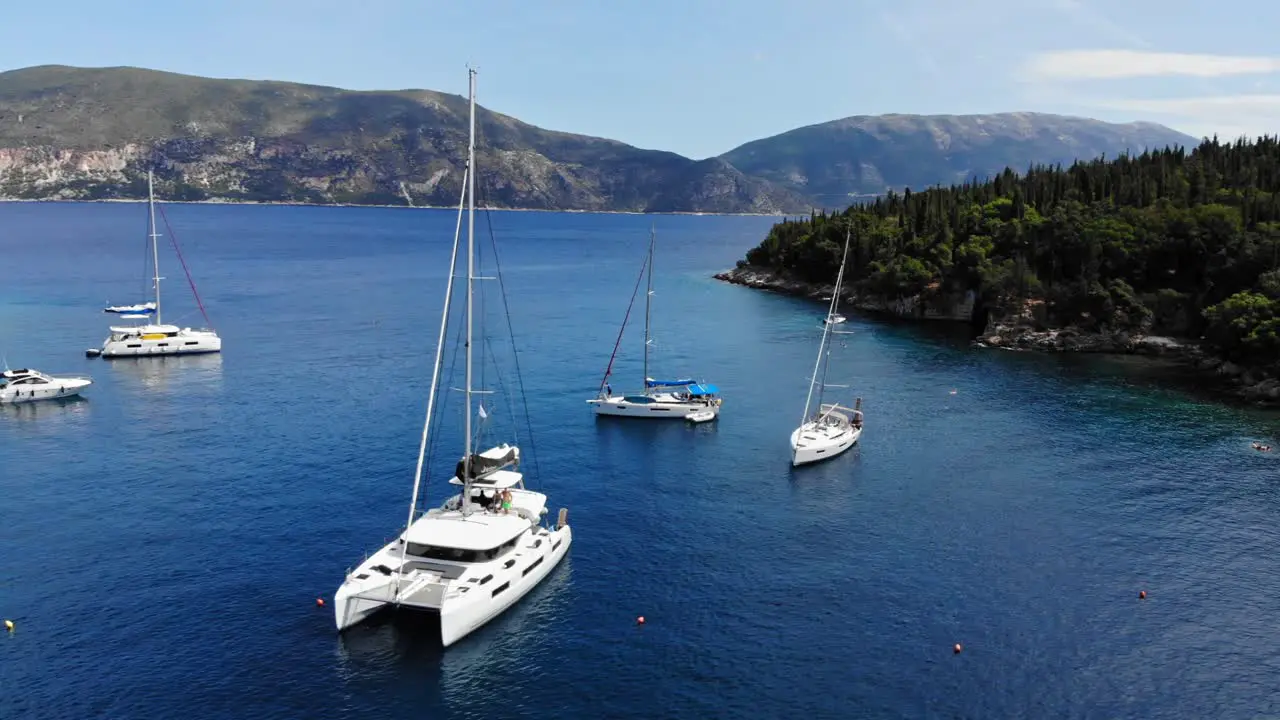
(648, 297)
(819, 368)
(435, 367)
(471, 271)
(155, 242)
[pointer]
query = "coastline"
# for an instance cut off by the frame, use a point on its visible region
(1250, 385)
(290, 203)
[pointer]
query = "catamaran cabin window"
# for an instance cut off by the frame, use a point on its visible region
(436, 552)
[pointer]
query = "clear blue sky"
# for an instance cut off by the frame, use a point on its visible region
(700, 77)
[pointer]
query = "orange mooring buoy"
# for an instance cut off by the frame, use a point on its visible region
(1142, 594)
(640, 620)
(957, 649)
(319, 602)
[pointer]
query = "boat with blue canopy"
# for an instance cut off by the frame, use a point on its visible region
(660, 399)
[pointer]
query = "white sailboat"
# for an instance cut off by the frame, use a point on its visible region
(155, 338)
(833, 428)
(26, 385)
(660, 399)
(484, 548)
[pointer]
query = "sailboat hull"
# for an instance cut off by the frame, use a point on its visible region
(457, 620)
(648, 408)
(186, 342)
(461, 612)
(810, 445)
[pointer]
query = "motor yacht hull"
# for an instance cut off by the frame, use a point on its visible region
(810, 446)
(56, 388)
(461, 612)
(659, 408)
(184, 343)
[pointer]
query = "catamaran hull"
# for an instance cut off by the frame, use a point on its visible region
(59, 388)
(652, 411)
(812, 451)
(460, 619)
(460, 615)
(177, 345)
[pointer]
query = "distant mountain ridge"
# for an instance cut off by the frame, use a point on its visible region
(832, 161)
(91, 133)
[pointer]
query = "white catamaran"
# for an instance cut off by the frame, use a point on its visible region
(484, 548)
(155, 338)
(660, 399)
(834, 428)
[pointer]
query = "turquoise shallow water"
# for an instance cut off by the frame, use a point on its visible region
(164, 539)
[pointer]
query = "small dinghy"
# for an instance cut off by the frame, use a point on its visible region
(701, 416)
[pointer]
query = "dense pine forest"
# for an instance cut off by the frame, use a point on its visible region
(1167, 242)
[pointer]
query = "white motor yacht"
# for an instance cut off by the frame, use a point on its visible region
(26, 385)
(484, 548)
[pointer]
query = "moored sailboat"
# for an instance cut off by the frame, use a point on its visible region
(155, 337)
(487, 546)
(675, 399)
(834, 428)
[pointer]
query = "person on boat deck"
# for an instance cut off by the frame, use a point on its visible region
(608, 390)
(506, 501)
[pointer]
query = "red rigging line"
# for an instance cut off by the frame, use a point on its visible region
(173, 240)
(609, 370)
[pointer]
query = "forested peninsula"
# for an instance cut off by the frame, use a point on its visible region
(1171, 252)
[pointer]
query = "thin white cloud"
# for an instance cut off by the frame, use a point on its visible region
(1228, 116)
(1117, 64)
(1100, 23)
(1264, 105)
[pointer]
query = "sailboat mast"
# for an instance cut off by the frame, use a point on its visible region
(471, 272)
(819, 368)
(648, 301)
(435, 366)
(155, 242)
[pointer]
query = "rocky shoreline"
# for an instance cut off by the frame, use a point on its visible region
(1013, 333)
(954, 309)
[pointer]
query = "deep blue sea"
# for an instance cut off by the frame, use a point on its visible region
(163, 540)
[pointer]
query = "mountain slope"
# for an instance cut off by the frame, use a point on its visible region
(91, 133)
(80, 133)
(831, 161)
